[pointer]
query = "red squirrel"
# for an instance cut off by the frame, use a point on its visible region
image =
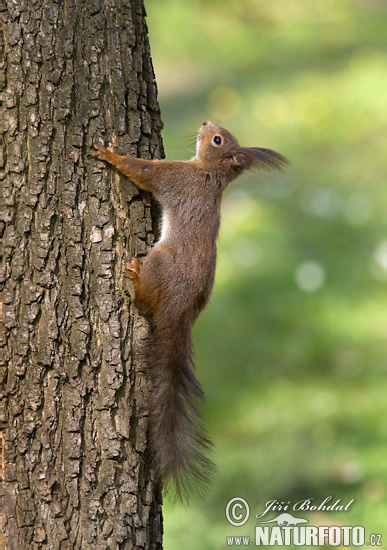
(174, 283)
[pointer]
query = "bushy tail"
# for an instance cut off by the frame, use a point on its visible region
(179, 445)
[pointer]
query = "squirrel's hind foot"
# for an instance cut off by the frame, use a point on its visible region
(132, 269)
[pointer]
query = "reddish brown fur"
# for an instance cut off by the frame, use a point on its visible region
(175, 282)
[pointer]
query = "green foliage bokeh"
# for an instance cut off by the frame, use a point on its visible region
(292, 351)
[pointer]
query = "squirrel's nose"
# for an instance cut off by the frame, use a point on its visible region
(207, 123)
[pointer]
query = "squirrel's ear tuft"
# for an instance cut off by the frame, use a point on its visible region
(267, 159)
(256, 157)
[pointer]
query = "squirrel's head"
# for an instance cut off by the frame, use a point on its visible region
(217, 149)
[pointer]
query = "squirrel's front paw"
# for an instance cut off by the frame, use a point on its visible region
(101, 152)
(132, 269)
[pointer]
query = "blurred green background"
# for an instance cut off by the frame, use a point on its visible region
(292, 351)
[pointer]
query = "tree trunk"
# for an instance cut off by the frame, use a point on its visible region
(74, 73)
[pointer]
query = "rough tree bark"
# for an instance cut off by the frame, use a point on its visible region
(74, 415)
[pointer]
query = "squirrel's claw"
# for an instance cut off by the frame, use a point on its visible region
(102, 153)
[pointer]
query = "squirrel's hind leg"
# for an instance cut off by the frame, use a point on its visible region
(146, 292)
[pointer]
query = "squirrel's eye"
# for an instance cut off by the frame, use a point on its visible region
(217, 140)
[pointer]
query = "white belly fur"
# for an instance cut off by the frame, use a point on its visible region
(165, 224)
